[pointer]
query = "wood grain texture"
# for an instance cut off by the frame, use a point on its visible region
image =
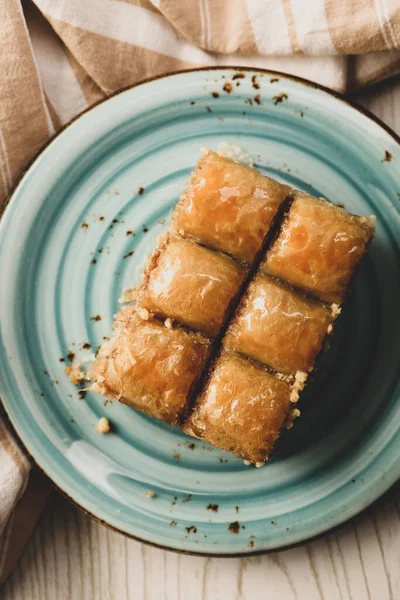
(71, 557)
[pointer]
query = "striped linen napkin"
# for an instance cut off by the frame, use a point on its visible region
(57, 57)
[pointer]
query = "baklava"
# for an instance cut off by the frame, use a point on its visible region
(150, 365)
(242, 408)
(233, 308)
(191, 284)
(228, 207)
(279, 326)
(318, 247)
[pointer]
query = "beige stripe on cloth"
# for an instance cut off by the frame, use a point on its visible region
(62, 56)
(21, 94)
(113, 64)
(217, 25)
(291, 24)
(359, 29)
(59, 81)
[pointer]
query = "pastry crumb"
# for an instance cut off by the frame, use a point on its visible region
(370, 221)
(335, 310)
(247, 463)
(293, 414)
(89, 358)
(103, 426)
(128, 295)
(75, 374)
(260, 464)
(298, 385)
(149, 494)
(168, 323)
(236, 154)
(330, 328)
(143, 314)
(181, 232)
(284, 377)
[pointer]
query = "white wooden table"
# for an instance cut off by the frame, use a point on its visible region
(71, 557)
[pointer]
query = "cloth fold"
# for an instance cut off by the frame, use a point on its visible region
(58, 57)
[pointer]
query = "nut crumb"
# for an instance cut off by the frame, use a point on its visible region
(298, 385)
(143, 314)
(128, 295)
(227, 87)
(293, 414)
(284, 377)
(168, 323)
(75, 374)
(181, 232)
(191, 529)
(247, 463)
(388, 157)
(279, 98)
(103, 426)
(234, 527)
(260, 464)
(150, 494)
(330, 328)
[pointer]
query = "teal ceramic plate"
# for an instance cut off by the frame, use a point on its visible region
(76, 232)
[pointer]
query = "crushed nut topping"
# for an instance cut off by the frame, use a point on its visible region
(143, 314)
(103, 426)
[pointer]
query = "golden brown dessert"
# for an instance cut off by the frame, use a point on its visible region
(228, 206)
(271, 344)
(318, 247)
(278, 326)
(191, 284)
(150, 366)
(242, 409)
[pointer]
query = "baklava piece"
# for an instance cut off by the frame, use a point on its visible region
(149, 365)
(191, 284)
(242, 409)
(278, 326)
(318, 247)
(228, 206)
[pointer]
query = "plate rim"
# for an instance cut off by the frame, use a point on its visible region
(3, 208)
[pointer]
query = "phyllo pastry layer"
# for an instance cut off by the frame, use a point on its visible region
(318, 247)
(150, 365)
(278, 326)
(228, 206)
(242, 408)
(191, 284)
